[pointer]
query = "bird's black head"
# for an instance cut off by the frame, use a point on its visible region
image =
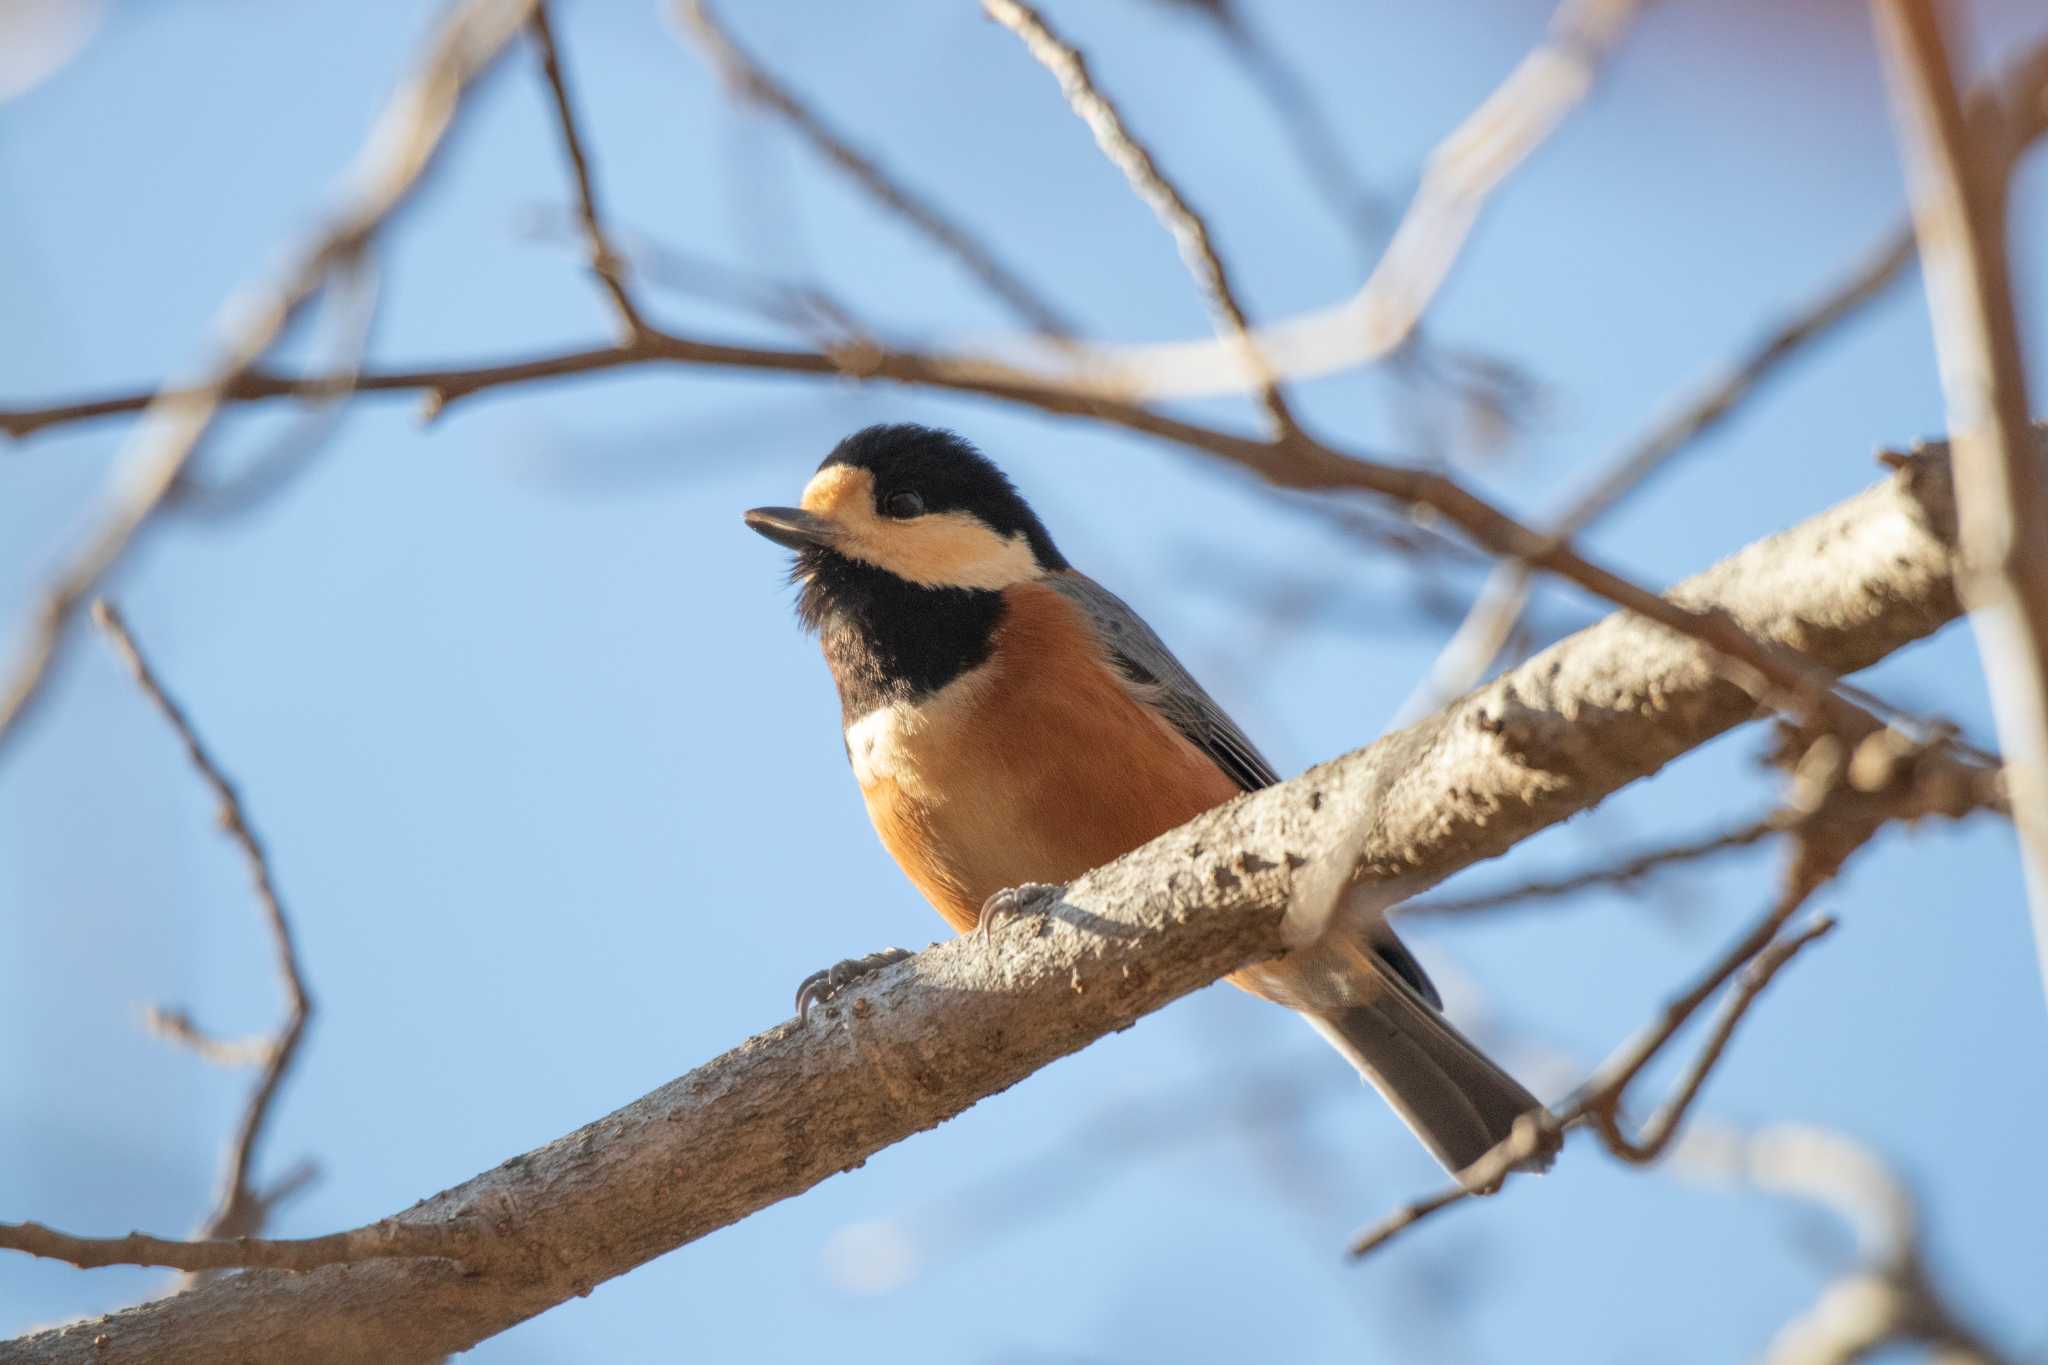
(905, 538)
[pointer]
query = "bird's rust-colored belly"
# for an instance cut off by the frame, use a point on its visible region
(1035, 767)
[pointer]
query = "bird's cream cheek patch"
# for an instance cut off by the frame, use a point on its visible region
(938, 550)
(952, 550)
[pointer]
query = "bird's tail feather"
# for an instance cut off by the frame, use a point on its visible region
(1450, 1093)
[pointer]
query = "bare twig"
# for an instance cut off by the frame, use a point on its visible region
(1486, 392)
(805, 307)
(376, 1241)
(399, 153)
(1350, 200)
(176, 1026)
(1624, 873)
(1535, 1133)
(605, 262)
(240, 1210)
(749, 79)
(1130, 156)
(1979, 785)
(1461, 175)
(1959, 208)
(1614, 1079)
(2017, 98)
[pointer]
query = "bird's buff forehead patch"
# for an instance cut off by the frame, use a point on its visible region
(951, 549)
(838, 489)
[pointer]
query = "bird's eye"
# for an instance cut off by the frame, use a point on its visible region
(904, 506)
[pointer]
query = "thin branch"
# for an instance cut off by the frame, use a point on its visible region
(239, 1211)
(1959, 208)
(1352, 202)
(750, 80)
(2019, 98)
(605, 262)
(1461, 175)
(1130, 156)
(401, 149)
(1976, 783)
(376, 1241)
(1534, 1133)
(1624, 873)
(807, 308)
(1485, 393)
(1296, 462)
(176, 1026)
(1656, 1135)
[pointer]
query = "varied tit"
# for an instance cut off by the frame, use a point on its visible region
(1013, 724)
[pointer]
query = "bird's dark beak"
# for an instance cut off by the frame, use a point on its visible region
(792, 526)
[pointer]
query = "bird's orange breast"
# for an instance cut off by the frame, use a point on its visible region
(1033, 767)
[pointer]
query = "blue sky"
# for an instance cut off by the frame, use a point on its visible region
(554, 786)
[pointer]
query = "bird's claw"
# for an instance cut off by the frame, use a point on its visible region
(820, 987)
(1015, 900)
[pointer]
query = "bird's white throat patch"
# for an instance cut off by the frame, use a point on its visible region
(881, 744)
(900, 742)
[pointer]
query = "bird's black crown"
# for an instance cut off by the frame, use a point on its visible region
(949, 474)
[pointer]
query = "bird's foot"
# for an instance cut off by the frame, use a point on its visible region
(820, 987)
(1030, 898)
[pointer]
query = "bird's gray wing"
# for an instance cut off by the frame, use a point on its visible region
(1159, 680)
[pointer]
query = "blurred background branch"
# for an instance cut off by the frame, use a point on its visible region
(1959, 168)
(1889, 1297)
(176, 419)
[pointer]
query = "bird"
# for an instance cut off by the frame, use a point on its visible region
(1013, 724)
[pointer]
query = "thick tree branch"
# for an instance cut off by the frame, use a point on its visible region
(1604, 708)
(1959, 175)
